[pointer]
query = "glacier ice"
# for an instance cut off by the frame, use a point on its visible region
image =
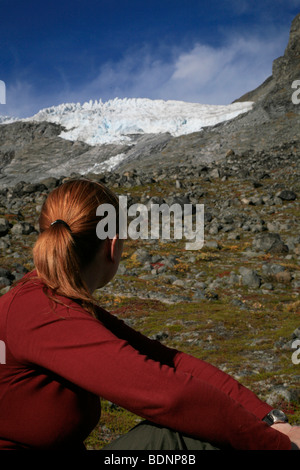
(115, 121)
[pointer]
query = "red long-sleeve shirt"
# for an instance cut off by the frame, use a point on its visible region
(60, 360)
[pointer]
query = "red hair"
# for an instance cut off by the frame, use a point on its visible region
(62, 251)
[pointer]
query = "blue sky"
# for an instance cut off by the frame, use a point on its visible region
(209, 51)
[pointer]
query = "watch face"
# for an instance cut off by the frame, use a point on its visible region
(279, 415)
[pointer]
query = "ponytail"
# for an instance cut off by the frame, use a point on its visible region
(68, 241)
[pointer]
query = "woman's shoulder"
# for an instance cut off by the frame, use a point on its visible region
(27, 283)
(31, 296)
(26, 286)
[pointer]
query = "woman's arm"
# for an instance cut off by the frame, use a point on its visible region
(84, 351)
(187, 364)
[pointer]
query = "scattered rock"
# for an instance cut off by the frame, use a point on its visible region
(239, 303)
(250, 277)
(272, 268)
(282, 393)
(269, 242)
(287, 195)
(22, 228)
(4, 227)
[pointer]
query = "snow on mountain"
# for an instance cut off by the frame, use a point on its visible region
(7, 119)
(115, 120)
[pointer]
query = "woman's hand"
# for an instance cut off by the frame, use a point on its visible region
(293, 432)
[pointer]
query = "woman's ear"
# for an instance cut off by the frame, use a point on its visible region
(116, 248)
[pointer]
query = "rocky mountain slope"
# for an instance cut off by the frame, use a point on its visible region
(234, 303)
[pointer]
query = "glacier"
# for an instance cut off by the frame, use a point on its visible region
(117, 121)
(7, 119)
(124, 122)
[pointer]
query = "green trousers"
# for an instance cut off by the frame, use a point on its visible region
(149, 436)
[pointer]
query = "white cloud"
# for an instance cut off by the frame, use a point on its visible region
(220, 75)
(201, 63)
(203, 74)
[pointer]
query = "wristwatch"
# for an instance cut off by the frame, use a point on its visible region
(275, 416)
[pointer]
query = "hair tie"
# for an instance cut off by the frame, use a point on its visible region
(59, 221)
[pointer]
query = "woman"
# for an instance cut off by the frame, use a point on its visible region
(63, 352)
